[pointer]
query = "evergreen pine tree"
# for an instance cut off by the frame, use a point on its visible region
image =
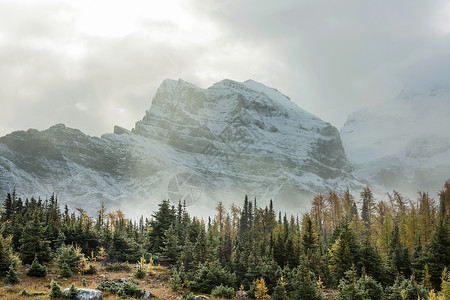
(11, 276)
(438, 250)
(354, 211)
(398, 255)
(33, 242)
(5, 260)
(60, 240)
(368, 202)
(292, 253)
(36, 269)
(65, 270)
(55, 291)
(372, 261)
(418, 259)
(140, 272)
(200, 247)
(161, 222)
(244, 221)
(303, 286)
(444, 201)
(344, 252)
(170, 250)
(309, 240)
(280, 293)
(186, 254)
(225, 245)
(8, 207)
(101, 215)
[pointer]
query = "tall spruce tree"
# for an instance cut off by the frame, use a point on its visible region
(368, 203)
(309, 240)
(186, 254)
(344, 252)
(438, 250)
(33, 241)
(372, 261)
(418, 260)
(5, 260)
(399, 255)
(444, 201)
(200, 247)
(8, 207)
(162, 219)
(244, 221)
(171, 249)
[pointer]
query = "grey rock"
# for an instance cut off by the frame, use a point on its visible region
(241, 294)
(86, 294)
(147, 295)
(201, 297)
(123, 280)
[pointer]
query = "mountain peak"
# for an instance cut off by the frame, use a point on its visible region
(235, 137)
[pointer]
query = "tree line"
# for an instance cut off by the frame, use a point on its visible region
(365, 249)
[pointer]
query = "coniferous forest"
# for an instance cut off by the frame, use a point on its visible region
(346, 247)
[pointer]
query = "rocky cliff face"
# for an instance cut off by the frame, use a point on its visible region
(402, 144)
(203, 145)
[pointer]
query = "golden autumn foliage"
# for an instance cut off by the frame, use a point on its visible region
(261, 289)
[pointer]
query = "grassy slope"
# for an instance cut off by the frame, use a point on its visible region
(156, 283)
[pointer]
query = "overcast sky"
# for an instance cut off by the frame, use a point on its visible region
(95, 64)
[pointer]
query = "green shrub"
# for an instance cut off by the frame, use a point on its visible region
(445, 285)
(303, 285)
(72, 293)
(130, 289)
(91, 270)
(55, 291)
(223, 291)
(123, 290)
(409, 287)
(365, 287)
(115, 267)
(190, 296)
(84, 282)
(36, 269)
(211, 275)
(176, 281)
(11, 276)
(67, 255)
(373, 288)
(109, 286)
(280, 293)
(140, 273)
(65, 271)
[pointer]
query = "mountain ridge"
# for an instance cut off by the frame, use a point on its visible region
(233, 138)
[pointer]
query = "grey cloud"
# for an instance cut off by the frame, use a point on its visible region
(330, 57)
(344, 54)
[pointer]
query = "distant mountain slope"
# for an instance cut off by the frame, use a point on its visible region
(403, 143)
(209, 144)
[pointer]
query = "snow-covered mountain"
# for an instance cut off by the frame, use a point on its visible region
(202, 144)
(402, 144)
